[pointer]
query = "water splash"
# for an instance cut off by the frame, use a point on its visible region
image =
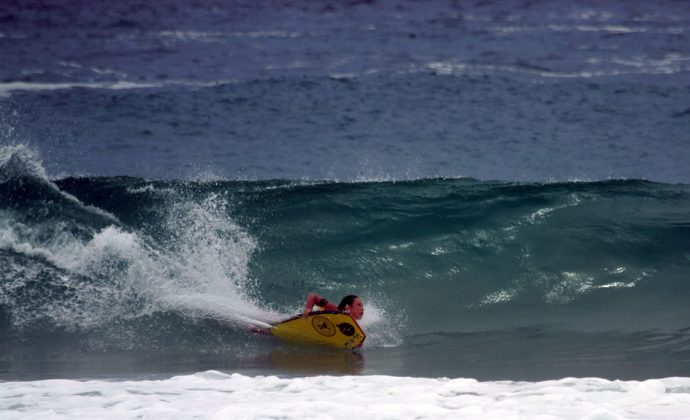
(115, 272)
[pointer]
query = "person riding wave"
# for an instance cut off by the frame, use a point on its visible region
(350, 304)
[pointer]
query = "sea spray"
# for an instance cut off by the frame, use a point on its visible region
(383, 322)
(212, 255)
(109, 272)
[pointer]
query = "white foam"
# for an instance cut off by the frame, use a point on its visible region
(212, 37)
(453, 67)
(215, 395)
(499, 296)
(6, 89)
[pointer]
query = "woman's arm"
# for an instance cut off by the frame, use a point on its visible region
(314, 299)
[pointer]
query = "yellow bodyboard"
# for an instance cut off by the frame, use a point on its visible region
(330, 328)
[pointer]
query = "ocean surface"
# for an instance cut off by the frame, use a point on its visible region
(504, 183)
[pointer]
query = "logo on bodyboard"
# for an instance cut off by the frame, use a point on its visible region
(323, 326)
(346, 329)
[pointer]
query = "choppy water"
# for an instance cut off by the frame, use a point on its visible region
(516, 91)
(504, 183)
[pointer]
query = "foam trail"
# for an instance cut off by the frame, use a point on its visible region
(220, 309)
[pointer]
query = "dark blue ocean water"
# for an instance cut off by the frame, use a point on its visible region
(510, 90)
(504, 183)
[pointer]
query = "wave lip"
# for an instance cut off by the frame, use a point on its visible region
(19, 160)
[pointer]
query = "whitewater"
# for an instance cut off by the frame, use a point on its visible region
(504, 184)
(216, 395)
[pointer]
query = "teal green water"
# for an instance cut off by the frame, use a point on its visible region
(488, 277)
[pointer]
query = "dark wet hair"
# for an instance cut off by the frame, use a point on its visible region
(347, 300)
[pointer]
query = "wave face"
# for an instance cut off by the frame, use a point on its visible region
(132, 264)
